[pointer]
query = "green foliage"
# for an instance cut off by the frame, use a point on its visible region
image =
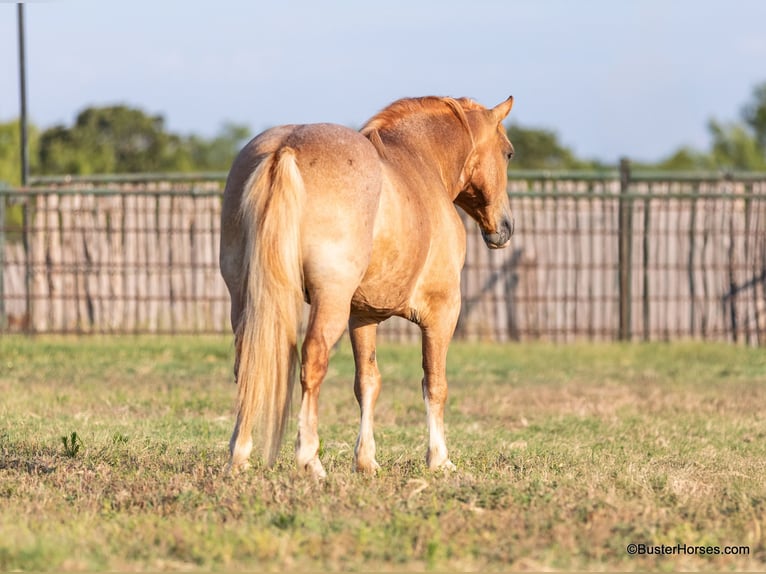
(217, 153)
(110, 140)
(735, 146)
(754, 114)
(119, 139)
(116, 139)
(541, 149)
(686, 159)
(72, 444)
(10, 151)
(123, 139)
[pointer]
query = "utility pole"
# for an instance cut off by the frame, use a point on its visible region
(23, 97)
(24, 160)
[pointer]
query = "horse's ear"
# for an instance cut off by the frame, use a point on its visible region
(501, 111)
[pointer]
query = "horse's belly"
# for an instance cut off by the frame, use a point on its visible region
(390, 280)
(401, 243)
(380, 300)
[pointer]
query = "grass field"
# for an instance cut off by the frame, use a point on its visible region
(565, 456)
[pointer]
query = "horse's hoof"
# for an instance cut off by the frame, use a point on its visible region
(369, 468)
(315, 468)
(445, 466)
(232, 469)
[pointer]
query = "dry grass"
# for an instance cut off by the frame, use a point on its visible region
(565, 455)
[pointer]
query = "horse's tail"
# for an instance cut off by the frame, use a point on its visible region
(267, 335)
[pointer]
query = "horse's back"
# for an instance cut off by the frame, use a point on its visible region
(341, 171)
(332, 159)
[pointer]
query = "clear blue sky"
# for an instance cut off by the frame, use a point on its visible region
(612, 77)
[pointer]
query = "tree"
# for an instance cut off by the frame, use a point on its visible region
(120, 139)
(10, 151)
(754, 114)
(686, 159)
(112, 139)
(540, 149)
(735, 148)
(218, 153)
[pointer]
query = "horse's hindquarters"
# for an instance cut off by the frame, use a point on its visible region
(342, 174)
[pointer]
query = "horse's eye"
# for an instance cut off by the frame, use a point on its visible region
(509, 155)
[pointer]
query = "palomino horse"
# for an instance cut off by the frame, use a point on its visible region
(363, 226)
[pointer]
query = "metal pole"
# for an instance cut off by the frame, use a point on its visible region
(24, 160)
(23, 97)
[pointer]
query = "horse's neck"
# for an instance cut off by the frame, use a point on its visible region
(437, 154)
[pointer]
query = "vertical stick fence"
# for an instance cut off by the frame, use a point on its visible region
(597, 256)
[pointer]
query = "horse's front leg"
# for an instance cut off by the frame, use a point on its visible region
(366, 388)
(436, 338)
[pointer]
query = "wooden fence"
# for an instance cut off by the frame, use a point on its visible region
(693, 263)
(595, 256)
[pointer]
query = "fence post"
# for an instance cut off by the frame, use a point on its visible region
(3, 316)
(625, 250)
(645, 314)
(26, 220)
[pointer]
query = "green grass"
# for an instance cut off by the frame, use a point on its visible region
(112, 450)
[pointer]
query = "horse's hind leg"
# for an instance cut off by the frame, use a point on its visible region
(366, 389)
(327, 321)
(232, 265)
(237, 325)
(241, 442)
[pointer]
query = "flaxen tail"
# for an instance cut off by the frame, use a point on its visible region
(272, 204)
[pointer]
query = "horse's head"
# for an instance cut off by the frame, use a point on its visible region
(484, 180)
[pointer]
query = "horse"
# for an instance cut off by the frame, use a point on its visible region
(362, 226)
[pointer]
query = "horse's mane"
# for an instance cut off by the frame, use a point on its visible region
(390, 116)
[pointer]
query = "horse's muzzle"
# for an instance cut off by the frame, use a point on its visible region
(502, 237)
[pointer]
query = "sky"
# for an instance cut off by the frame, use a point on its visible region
(613, 78)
